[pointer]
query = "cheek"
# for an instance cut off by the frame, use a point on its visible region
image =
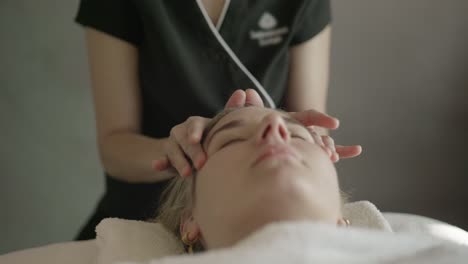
(322, 169)
(221, 175)
(313, 153)
(217, 183)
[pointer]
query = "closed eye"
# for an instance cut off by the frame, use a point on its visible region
(232, 142)
(297, 136)
(236, 140)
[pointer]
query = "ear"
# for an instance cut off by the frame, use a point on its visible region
(190, 225)
(343, 222)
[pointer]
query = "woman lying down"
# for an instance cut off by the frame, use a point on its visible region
(269, 194)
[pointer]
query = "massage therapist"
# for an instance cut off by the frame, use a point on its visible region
(158, 67)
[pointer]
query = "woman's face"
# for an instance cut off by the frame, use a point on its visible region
(262, 166)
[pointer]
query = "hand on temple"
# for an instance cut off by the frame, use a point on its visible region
(184, 142)
(309, 118)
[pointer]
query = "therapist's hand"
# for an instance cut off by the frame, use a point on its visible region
(335, 152)
(182, 147)
(311, 119)
(183, 144)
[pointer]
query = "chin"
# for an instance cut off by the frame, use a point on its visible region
(261, 216)
(279, 166)
(290, 195)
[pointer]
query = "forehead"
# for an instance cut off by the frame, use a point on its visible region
(250, 114)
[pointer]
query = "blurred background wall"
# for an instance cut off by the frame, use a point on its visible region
(399, 84)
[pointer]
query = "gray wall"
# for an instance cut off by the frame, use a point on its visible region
(50, 173)
(399, 85)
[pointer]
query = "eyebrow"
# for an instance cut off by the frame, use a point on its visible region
(228, 125)
(237, 123)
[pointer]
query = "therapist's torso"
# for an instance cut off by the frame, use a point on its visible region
(188, 66)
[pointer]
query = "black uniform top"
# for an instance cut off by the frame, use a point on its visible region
(188, 66)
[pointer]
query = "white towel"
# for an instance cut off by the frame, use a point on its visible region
(370, 232)
(129, 240)
(366, 215)
(309, 242)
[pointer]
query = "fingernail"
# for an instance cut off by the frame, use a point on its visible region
(156, 164)
(194, 138)
(188, 171)
(200, 161)
(329, 153)
(182, 172)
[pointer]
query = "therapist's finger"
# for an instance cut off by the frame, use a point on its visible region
(194, 149)
(161, 164)
(330, 144)
(315, 118)
(195, 153)
(190, 152)
(237, 99)
(177, 159)
(318, 140)
(195, 127)
(348, 151)
(253, 98)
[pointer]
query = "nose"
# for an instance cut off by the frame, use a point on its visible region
(272, 130)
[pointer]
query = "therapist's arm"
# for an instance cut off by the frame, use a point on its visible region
(124, 152)
(309, 75)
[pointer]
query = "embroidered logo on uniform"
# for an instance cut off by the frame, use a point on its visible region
(268, 33)
(267, 21)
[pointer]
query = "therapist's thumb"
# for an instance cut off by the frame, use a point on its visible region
(237, 99)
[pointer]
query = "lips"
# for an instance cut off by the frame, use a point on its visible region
(274, 151)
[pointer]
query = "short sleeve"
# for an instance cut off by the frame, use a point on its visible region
(118, 18)
(314, 17)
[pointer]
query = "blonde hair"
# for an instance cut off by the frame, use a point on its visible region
(179, 196)
(177, 203)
